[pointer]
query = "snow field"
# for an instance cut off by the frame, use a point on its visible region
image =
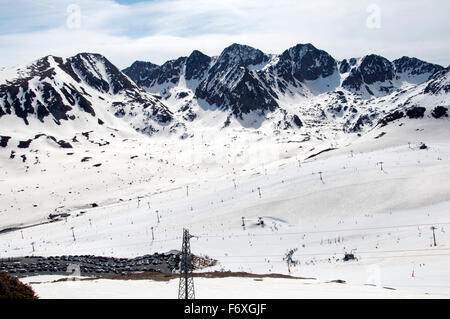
(382, 216)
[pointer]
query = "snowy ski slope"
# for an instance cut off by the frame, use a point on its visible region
(383, 216)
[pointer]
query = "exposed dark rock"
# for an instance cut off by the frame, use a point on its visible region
(54, 103)
(439, 111)
(61, 143)
(182, 95)
(83, 103)
(413, 66)
(142, 72)
(4, 140)
(52, 138)
(238, 55)
(24, 144)
(147, 74)
(380, 135)
(304, 62)
(391, 117)
(190, 116)
(344, 66)
(439, 82)
(338, 281)
(231, 85)
(375, 68)
(240, 91)
(227, 121)
(41, 111)
(120, 112)
(354, 80)
(196, 65)
(318, 153)
(352, 61)
(336, 109)
(415, 112)
(362, 120)
(86, 134)
(85, 64)
(22, 106)
(297, 120)
(368, 90)
(67, 67)
(163, 116)
(64, 144)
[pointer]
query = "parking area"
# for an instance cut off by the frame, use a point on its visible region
(89, 265)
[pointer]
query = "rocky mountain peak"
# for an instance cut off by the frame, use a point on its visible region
(77, 88)
(305, 62)
(241, 55)
(196, 65)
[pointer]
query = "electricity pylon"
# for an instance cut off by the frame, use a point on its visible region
(186, 288)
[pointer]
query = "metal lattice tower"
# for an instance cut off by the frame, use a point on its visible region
(186, 288)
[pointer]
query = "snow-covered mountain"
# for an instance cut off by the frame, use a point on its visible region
(85, 89)
(303, 87)
(299, 90)
(374, 75)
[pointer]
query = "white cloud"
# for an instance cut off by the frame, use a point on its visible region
(164, 29)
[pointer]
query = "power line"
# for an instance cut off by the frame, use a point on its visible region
(369, 257)
(328, 253)
(307, 232)
(401, 256)
(329, 231)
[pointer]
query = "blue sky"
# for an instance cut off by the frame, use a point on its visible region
(159, 30)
